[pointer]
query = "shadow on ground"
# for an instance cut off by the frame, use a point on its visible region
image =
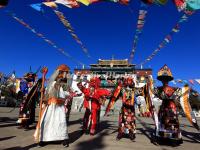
(146, 130)
(7, 122)
(7, 138)
(191, 136)
(22, 148)
(96, 142)
(78, 121)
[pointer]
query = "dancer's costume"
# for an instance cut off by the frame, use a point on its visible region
(92, 103)
(53, 124)
(127, 118)
(29, 94)
(167, 122)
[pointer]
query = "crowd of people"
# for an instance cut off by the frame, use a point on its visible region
(55, 103)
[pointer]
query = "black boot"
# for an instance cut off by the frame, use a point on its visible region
(65, 143)
(119, 136)
(132, 136)
(40, 144)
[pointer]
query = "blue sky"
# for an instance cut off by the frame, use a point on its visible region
(106, 29)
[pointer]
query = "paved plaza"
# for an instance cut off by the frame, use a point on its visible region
(12, 138)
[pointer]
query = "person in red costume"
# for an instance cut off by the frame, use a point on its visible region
(94, 97)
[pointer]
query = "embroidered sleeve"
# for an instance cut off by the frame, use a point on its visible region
(177, 94)
(156, 92)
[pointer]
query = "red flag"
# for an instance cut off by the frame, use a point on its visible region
(192, 82)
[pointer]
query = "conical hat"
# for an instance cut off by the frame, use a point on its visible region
(165, 74)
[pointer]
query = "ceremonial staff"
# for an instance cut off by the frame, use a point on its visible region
(44, 72)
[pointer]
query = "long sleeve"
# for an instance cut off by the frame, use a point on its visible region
(81, 87)
(177, 94)
(156, 92)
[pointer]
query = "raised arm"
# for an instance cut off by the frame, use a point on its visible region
(112, 101)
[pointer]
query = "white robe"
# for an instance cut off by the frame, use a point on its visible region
(53, 125)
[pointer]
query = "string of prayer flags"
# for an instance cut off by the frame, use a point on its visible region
(187, 5)
(63, 19)
(37, 6)
(50, 4)
(148, 1)
(61, 50)
(193, 5)
(67, 24)
(76, 3)
(198, 81)
(85, 2)
(69, 3)
(190, 81)
(139, 28)
(158, 2)
(167, 39)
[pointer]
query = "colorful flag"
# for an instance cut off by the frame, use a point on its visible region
(197, 80)
(71, 31)
(37, 7)
(184, 101)
(44, 38)
(140, 26)
(167, 39)
(50, 4)
(68, 3)
(85, 2)
(174, 82)
(191, 81)
(192, 4)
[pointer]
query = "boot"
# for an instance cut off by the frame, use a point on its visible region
(119, 136)
(92, 132)
(132, 136)
(65, 143)
(41, 144)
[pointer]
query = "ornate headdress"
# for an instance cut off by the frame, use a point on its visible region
(30, 76)
(129, 82)
(63, 67)
(165, 74)
(56, 75)
(95, 82)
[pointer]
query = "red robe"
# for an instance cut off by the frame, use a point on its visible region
(94, 98)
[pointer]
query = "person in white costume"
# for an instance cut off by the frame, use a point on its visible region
(53, 124)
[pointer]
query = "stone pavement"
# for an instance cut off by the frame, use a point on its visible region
(12, 138)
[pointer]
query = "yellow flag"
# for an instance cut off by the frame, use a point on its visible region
(50, 4)
(85, 2)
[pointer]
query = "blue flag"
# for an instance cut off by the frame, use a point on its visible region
(37, 6)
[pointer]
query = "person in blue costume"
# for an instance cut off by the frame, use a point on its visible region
(28, 95)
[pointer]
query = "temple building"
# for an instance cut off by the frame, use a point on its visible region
(114, 67)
